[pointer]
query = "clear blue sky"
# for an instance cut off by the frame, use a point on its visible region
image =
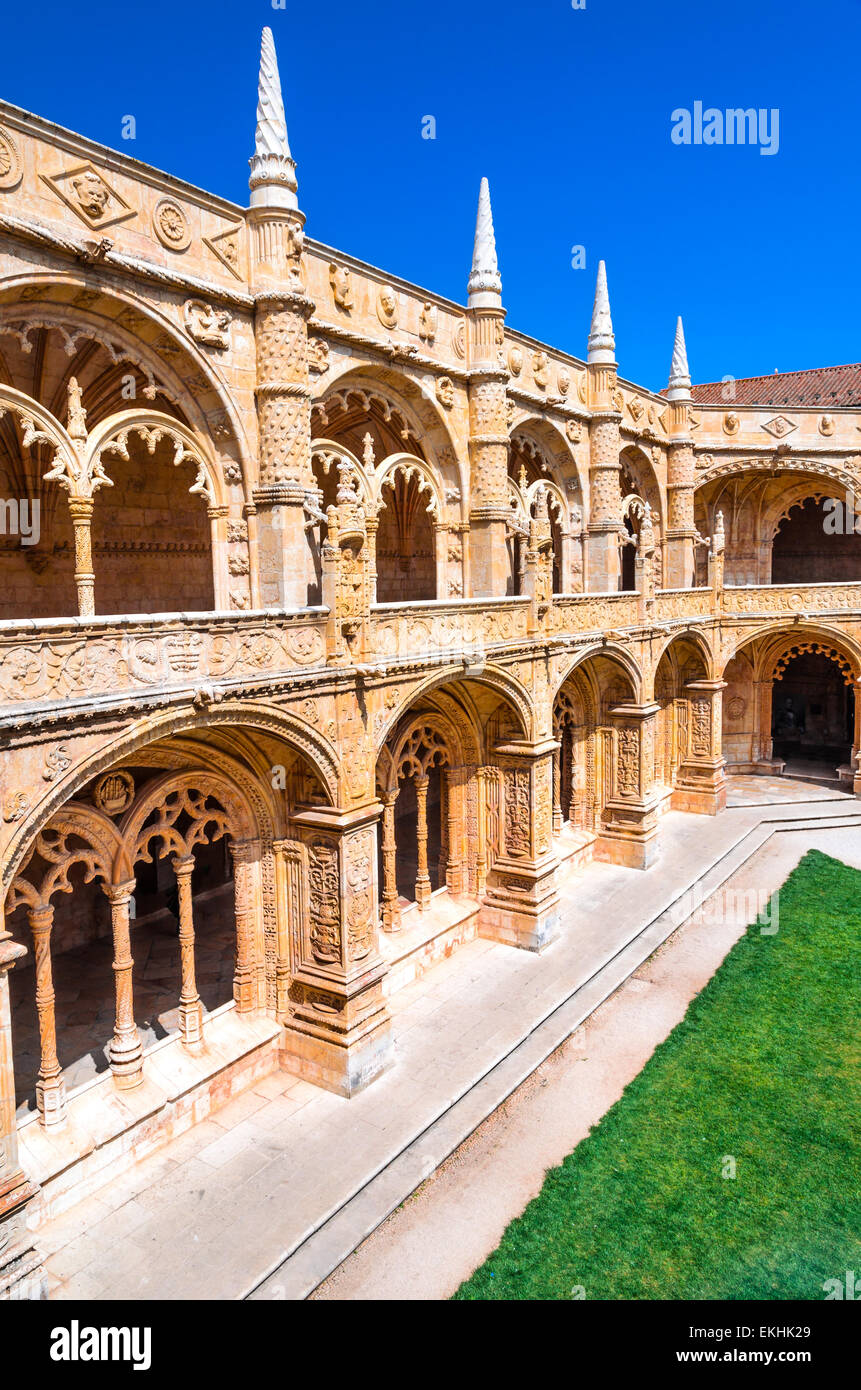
(566, 111)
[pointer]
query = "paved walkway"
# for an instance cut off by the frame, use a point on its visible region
(435, 1240)
(268, 1196)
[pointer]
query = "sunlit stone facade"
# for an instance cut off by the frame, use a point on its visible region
(342, 598)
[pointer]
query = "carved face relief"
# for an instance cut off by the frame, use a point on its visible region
(515, 361)
(574, 431)
(539, 368)
(731, 423)
(563, 382)
(428, 322)
(445, 392)
(826, 424)
(342, 287)
(387, 307)
(92, 195)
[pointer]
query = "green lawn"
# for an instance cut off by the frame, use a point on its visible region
(763, 1067)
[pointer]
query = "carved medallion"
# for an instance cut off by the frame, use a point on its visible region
(11, 164)
(731, 423)
(736, 707)
(515, 361)
(114, 792)
(779, 426)
(171, 225)
(445, 392)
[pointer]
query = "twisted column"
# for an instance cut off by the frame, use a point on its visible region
(423, 883)
(190, 1006)
(50, 1087)
(125, 1050)
(391, 913)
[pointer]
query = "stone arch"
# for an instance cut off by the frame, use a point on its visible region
(138, 333)
(281, 724)
(438, 754)
(759, 737)
(614, 653)
(501, 682)
(418, 427)
(539, 453)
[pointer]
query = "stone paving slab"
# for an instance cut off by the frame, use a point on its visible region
(273, 1215)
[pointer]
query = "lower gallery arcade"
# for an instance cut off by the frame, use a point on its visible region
(211, 879)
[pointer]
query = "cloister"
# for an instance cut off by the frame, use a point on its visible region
(349, 604)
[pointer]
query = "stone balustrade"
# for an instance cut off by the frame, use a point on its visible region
(95, 660)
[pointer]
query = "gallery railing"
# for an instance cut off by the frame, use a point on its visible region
(96, 660)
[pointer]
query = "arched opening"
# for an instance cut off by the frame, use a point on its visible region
(816, 542)
(406, 551)
(527, 465)
(148, 903)
(151, 546)
(813, 713)
(151, 537)
(584, 725)
(682, 705)
(440, 830)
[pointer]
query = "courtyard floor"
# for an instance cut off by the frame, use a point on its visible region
(268, 1196)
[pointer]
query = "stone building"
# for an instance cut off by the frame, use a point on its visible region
(336, 617)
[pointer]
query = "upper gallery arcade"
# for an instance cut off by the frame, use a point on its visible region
(345, 598)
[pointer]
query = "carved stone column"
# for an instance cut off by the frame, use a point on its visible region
(423, 883)
(81, 512)
(372, 525)
(521, 903)
(451, 821)
(605, 518)
(50, 1088)
(630, 824)
(286, 557)
(245, 854)
(681, 530)
(125, 1050)
(700, 784)
(391, 912)
(557, 790)
(488, 455)
(190, 1006)
(338, 1034)
(21, 1271)
(488, 413)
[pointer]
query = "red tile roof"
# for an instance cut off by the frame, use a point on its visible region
(823, 386)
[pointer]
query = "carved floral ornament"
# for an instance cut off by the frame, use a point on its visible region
(171, 225)
(11, 164)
